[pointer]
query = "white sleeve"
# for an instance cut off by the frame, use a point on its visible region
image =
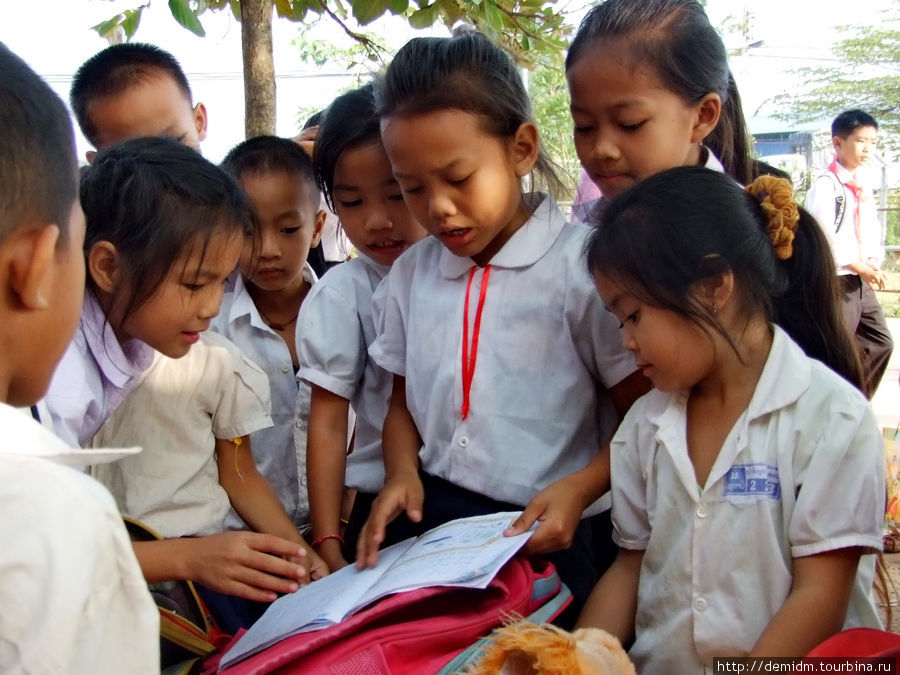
(70, 398)
(631, 523)
(846, 467)
(331, 347)
(243, 398)
(390, 307)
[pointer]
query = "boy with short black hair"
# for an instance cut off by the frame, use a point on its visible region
(846, 212)
(135, 89)
(73, 595)
(260, 314)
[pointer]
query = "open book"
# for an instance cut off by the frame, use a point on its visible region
(467, 552)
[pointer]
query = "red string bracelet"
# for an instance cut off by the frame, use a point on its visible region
(319, 540)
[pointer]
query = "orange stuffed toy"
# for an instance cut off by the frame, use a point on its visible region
(523, 648)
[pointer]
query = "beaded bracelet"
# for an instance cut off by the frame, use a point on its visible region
(319, 540)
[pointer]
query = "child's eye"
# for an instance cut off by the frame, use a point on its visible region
(290, 230)
(396, 197)
(631, 318)
(412, 190)
(193, 288)
(583, 129)
(632, 127)
(459, 181)
(350, 203)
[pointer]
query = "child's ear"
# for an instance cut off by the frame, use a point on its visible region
(318, 227)
(32, 265)
(200, 121)
(716, 290)
(103, 266)
(89, 156)
(524, 148)
(708, 110)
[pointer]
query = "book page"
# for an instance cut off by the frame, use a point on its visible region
(466, 552)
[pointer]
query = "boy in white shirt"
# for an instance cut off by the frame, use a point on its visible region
(73, 596)
(846, 211)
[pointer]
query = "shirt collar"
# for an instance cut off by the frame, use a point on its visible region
(378, 268)
(843, 173)
(25, 436)
(527, 245)
(242, 304)
(118, 363)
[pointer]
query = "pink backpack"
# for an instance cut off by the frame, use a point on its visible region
(416, 632)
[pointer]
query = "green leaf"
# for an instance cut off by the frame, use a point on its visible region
(424, 17)
(131, 21)
(284, 8)
(398, 6)
(181, 11)
(104, 28)
(492, 15)
(366, 11)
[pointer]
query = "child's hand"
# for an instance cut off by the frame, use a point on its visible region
(246, 564)
(557, 508)
(403, 492)
(318, 568)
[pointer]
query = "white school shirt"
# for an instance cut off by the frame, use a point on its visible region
(546, 352)
(175, 413)
(73, 597)
(801, 473)
(334, 332)
(280, 450)
(93, 377)
(845, 247)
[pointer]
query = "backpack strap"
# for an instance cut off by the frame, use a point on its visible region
(839, 199)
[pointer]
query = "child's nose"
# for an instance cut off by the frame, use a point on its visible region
(212, 301)
(378, 219)
(440, 207)
(605, 147)
(268, 246)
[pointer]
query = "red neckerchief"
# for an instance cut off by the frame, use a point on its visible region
(857, 191)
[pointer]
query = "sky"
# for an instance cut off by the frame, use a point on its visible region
(59, 38)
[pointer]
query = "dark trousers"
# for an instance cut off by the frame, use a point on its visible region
(865, 321)
(579, 566)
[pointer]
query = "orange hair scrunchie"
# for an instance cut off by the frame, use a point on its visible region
(776, 198)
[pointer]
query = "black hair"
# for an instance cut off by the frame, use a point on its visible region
(850, 120)
(114, 70)
(349, 122)
(465, 72)
(155, 199)
(677, 39)
(313, 120)
(38, 168)
(679, 226)
(272, 154)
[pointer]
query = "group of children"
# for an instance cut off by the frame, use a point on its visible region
(479, 354)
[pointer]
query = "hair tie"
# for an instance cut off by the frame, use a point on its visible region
(776, 199)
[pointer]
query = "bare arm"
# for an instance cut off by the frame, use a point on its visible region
(326, 464)
(246, 564)
(402, 489)
(612, 605)
(816, 606)
(254, 500)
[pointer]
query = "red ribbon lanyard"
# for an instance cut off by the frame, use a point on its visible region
(468, 366)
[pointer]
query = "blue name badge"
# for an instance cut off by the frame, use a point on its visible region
(752, 482)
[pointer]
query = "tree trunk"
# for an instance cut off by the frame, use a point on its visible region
(259, 67)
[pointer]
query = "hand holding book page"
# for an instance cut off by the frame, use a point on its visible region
(467, 552)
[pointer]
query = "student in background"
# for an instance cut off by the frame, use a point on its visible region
(71, 590)
(747, 448)
(336, 325)
(260, 313)
(499, 284)
(135, 89)
(845, 208)
(158, 251)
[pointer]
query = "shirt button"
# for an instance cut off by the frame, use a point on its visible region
(701, 511)
(463, 441)
(700, 604)
(303, 480)
(285, 367)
